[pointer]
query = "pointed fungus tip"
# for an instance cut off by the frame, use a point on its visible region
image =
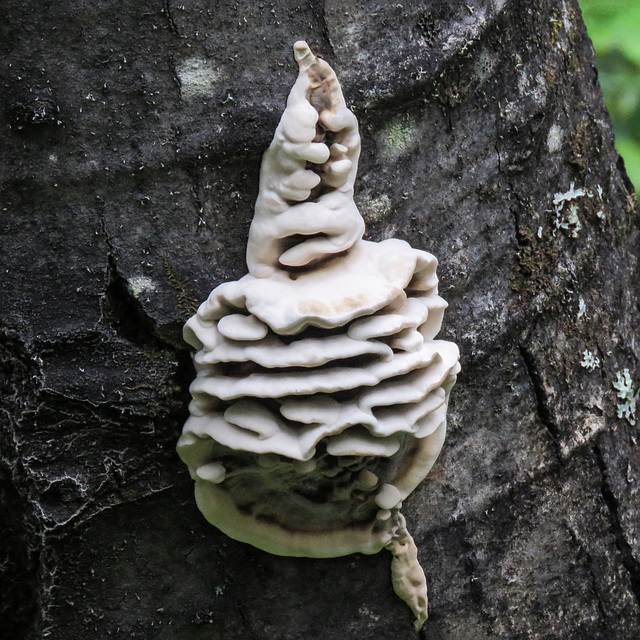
(303, 55)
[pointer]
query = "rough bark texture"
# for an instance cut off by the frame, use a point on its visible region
(132, 136)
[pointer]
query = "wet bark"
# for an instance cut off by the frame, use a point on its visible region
(132, 135)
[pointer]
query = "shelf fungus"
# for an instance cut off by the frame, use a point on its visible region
(321, 393)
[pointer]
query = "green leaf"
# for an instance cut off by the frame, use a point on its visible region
(625, 34)
(614, 25)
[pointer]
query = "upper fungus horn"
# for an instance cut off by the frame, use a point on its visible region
(321, 393)
(305, 209)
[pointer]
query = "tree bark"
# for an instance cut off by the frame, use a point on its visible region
(132, 137)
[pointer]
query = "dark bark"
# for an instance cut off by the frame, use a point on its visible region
(127, 192)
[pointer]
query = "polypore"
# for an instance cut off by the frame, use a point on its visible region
(321, 394)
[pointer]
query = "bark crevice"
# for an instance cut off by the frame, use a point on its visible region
(542, 400)
(612, 503)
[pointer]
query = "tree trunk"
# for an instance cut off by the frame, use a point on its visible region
(132, 137)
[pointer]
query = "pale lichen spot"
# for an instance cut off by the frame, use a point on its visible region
(589, 361)
(571, 194)
(141, 284)
(623, 385)
(365, 611)
(582, 308)
(376, 209)
(567, 217)
(197, 77)
(485, 65)
(533, 85)
(554, 138)
(398, 137)
(569, 221)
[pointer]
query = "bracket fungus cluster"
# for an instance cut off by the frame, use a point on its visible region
(321, 393)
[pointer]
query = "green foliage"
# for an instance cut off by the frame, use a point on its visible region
(614, 28)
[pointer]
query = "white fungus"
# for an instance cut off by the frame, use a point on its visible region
(321, 393)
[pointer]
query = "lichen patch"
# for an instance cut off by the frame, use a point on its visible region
(554, 138)
(399, 136)
(197, 77)
(623, 385)
(141, 284)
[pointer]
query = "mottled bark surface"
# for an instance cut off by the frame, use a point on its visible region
(131, 141)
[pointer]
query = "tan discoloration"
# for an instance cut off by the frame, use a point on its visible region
(337, 307)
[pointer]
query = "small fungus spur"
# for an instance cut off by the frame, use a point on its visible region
(321, 393)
